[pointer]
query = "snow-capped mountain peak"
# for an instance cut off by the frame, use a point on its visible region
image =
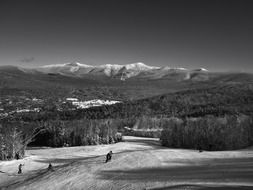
(71, 64)
(53, 65)
(77, 64)
(110, 69)
(139, 66)
(111, 66)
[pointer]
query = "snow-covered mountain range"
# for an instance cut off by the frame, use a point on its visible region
(121, 72)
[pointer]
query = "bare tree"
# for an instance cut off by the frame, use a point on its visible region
(14, 140)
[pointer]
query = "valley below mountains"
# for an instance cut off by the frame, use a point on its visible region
(121, 83)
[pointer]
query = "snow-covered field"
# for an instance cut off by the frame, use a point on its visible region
(137, 163)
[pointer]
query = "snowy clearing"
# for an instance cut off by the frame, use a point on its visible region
(137, 163)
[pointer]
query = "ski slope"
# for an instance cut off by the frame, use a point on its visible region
(137, 163)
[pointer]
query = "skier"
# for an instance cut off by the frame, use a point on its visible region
(50, 167)
(109, 156)
(20, 168)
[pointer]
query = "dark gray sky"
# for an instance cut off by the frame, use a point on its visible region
(215, 34)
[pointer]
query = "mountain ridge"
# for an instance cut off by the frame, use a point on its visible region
(121, 72)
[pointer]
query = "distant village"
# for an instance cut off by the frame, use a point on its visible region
(22, 104)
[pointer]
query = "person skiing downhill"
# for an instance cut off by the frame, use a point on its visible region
(109, 156)
(50, 167)
(20, 168)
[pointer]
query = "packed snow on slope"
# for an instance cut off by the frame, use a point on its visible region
(137, 163)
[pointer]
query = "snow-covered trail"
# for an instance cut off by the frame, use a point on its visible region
(138, 163)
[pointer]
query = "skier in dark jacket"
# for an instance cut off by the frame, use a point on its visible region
(50, 167)
(20, 168)
(109, 156)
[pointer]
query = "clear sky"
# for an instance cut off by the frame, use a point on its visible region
(214, 34)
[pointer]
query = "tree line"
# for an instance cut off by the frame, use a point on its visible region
(209, 132)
